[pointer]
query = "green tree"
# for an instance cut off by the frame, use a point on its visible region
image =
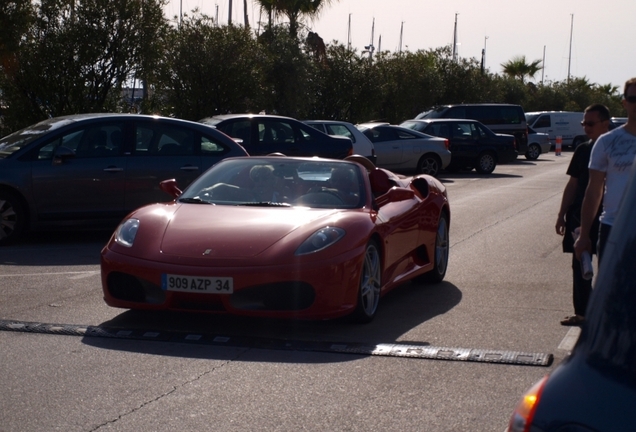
(211, 70)
(294, 10)
(288, 89)
(519, 68)
(343, 88)
(76, 57)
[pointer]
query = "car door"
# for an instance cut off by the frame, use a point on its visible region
(80, 173)
(162, 150)
(463, 142)
(388, 146)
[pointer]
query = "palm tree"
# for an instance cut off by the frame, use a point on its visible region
(294, 10)
(517, 67)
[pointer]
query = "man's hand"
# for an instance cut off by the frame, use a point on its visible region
(560, 225)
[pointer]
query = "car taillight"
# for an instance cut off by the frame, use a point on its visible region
(514, 143)
(523, 414)
(446, 144)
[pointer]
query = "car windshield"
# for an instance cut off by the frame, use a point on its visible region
(279, 182)
(432, 113)
(17, 140)
(530, 118)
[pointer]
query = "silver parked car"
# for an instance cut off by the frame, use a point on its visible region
(93, 169)
(538, 143)
(401, 149)
(361, 144)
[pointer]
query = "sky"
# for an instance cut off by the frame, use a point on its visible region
(587, 38)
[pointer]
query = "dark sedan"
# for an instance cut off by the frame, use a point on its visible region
(93, 169)
(262, 134)
(472, 144)
(594, 389)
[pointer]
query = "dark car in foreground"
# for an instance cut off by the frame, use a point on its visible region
(472, 144)
(280, 237)
(594, 388)
(92, 169)
(263, 134)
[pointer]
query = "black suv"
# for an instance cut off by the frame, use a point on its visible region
(262, 134)
(500, 118)
(472, 144)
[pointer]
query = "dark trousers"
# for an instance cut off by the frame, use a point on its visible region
(603, 235)
(581, 288)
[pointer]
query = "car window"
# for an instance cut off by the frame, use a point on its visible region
(211, 146)
(240, 129)
(274, 131)
(438, 130)
(341, 130)
(94, 141)
(381, 134)
(480, 131)
(463, 130)
(543, 122)
(164, 140)
(489, 115)
(405, 135)
(318, 126)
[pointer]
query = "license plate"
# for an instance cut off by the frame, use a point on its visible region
(194, 284)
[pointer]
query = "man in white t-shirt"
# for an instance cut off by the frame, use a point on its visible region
(610, 164)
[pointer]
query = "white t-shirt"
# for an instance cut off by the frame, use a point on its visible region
(613, 153)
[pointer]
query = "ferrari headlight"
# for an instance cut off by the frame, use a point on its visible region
(321, 239)
(126, 232)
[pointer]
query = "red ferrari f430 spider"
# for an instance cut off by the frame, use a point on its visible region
(280, 237)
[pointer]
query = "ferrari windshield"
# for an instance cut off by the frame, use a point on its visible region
(279, 182)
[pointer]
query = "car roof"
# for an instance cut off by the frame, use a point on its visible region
(443, 120)
(233, 116)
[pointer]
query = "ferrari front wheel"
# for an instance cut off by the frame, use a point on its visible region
(370, 284)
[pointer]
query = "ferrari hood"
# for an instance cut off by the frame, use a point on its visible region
(232, 231)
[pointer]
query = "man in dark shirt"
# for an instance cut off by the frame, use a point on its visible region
(595, 122)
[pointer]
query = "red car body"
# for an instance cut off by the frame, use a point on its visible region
(397, 230)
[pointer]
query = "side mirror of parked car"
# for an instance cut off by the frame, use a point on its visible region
(62, 153)
(170, 187)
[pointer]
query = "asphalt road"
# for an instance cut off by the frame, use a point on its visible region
(68, 362)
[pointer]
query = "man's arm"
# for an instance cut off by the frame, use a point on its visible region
(566, 201)
(589, 210)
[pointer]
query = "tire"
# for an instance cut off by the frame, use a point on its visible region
(12, 218)
(533, 152)
(429, 164)
(486, 163)
(369, 286)
(442, 247)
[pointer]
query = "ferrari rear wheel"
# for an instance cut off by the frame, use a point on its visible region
(370, 283)
(442, 247)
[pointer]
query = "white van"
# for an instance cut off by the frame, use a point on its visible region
(565, 124)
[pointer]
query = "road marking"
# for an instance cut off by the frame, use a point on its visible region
(78, 274)
(570, 339)
(413, 350)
